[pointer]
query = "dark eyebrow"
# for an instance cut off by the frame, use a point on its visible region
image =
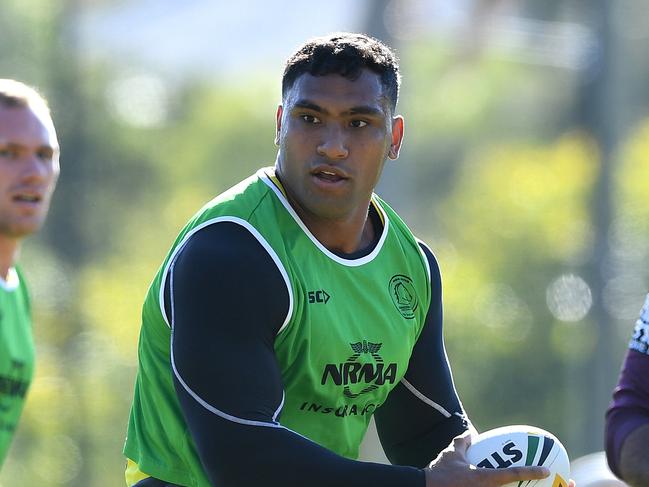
(47, 147)
(309, 105)
(18, 146)
(359, 110)
(365, 110)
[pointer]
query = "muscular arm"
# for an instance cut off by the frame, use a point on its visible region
(627, 422)
(228, 299)
(423, 414)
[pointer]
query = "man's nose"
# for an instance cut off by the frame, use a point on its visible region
(334, 144)
(37, 169)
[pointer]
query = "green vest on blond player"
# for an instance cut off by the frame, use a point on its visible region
(346, 342)
(16, 355)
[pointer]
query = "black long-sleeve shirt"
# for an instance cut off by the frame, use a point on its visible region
(420, 417)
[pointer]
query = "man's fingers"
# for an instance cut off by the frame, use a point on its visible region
(462, 442)
(513, 474)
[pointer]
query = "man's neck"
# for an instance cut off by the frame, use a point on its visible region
(9, 248)
(342, 237)
(345, 236)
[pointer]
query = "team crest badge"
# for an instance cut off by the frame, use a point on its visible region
(403, 295)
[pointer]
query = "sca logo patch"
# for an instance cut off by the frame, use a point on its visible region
(319, 296)
(403, 295)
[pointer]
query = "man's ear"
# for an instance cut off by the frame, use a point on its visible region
(278, 123)
(397, 137)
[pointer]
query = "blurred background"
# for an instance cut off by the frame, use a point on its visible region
(525, 167)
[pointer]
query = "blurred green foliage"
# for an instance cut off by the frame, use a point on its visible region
(493, 176)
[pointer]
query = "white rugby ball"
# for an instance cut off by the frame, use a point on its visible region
(519, 446)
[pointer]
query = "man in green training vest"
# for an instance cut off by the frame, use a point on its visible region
(29, 168)
(297, 305)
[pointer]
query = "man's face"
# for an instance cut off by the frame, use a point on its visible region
(29, 168)
(334, 136)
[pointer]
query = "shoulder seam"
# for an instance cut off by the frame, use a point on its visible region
(267, 192)
(420, 244)
(255, 233)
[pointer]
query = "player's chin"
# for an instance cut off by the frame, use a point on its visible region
(24, 227)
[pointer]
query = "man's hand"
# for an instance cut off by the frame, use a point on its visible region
(452, 469)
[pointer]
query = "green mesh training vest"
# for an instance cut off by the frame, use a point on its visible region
(16, 355)
(345, 343)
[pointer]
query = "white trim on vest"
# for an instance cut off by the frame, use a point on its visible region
(260, 239)
(341, 260)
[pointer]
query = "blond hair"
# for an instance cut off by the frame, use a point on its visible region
(15, 94)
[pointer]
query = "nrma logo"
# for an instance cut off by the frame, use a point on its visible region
(365, 376)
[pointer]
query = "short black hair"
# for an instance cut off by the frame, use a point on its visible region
(346, 54)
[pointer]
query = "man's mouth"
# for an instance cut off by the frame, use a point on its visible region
(28, 198)
(329, 174)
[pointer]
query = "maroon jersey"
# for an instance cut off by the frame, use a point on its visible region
(630, 406)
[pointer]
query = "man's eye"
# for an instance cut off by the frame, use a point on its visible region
(358, 123)
(8, 153)
(45, 155)
(310, 119)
